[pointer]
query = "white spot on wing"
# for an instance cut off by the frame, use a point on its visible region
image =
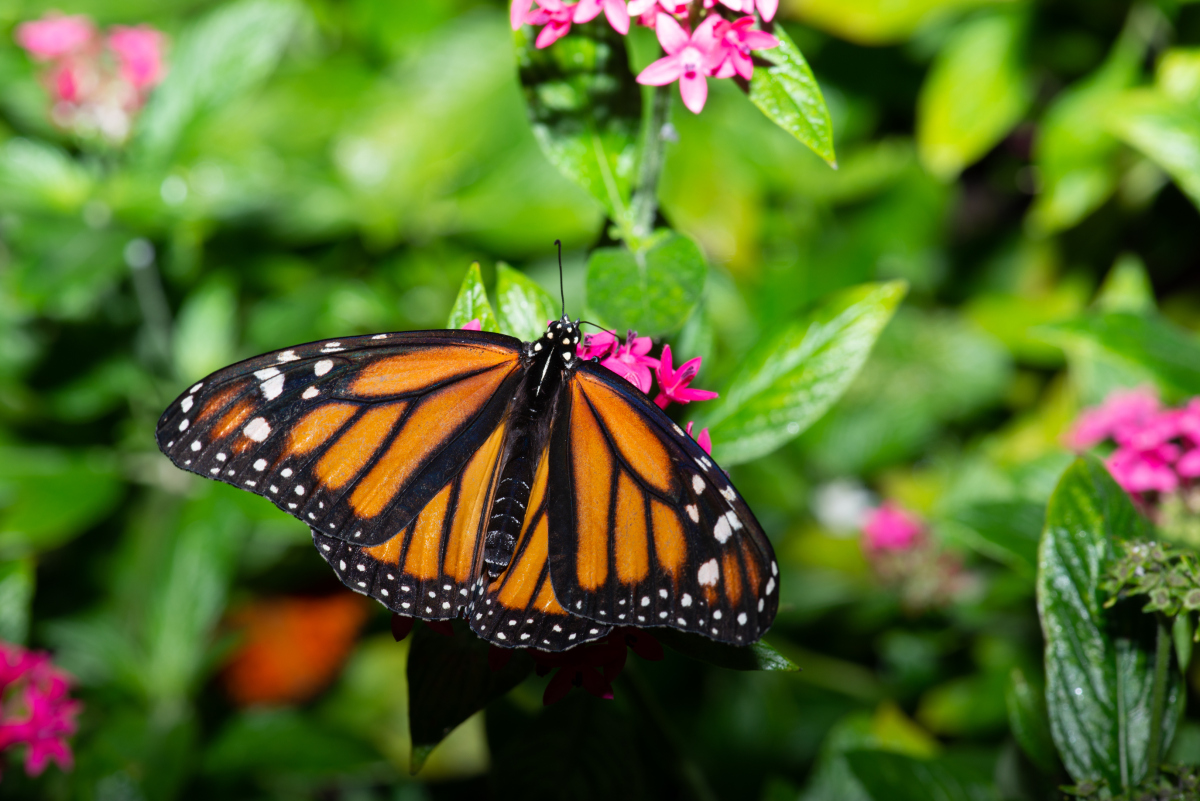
(310, 393)
(322, 367)
(708, 573)
(697, 484)
(272, 388)
(728, 494)
(196, 445)
(770, 586)
(286, 472)
(693, 512)
(269, 372)
(721, 530)
(183, 425)
(193, 389)
(287, 356)
(257, 429)
(260, 465)
(379, 336)
(741, 619)
(686, 600)
(186, 404)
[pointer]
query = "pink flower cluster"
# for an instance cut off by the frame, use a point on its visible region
(98, 81)
(35, 710)
(906, 559)
(891, 528)
(1157, 449)
(632, 362)
(717, 48)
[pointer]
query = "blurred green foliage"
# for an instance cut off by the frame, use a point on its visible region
(1013, 214)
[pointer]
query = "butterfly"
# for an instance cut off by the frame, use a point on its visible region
(466, 473)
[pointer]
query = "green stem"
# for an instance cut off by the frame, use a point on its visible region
(644, 206)
(1158, 698)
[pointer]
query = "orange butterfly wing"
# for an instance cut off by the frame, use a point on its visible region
(354, 437)
(519, 608)
(645, 529)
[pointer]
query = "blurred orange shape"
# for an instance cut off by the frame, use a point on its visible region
(291, 647)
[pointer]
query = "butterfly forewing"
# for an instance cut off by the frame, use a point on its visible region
(645, 529)
(355, 436)
(518, 608)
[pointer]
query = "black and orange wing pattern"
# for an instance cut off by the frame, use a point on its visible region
(354, 437)
(645, 529)
(519, 607)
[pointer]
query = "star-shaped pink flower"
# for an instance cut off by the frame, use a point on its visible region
(598, 346)
(687, 59)
(766, 8)
(631, 362)
(674, 383)
(555, 15)
(704, 440)
(615, 12)
(54, 35)
(737, 39)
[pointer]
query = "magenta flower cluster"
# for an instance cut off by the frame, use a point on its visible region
(98, 82)
(891, 528)
(717, 48)
(35, 709)
(1157, 448)
(633, 362)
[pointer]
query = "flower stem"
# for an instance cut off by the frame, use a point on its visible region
(1158, 698)
(644, 206)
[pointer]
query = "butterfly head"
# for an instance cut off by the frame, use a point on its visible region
(561, 339)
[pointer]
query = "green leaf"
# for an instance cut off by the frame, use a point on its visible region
(48, 496)
(1182, 634)
(205, 330)
(1165, 130)
(472, 303)
(525, 307)
(1029, 720)
(1099, 662)
(1178, 74)
(1075, 155)
(39, 177)
(756, 656)
(225, 54)
(449, 680)
(1005, 530)
(875, 22)
(1170, 353)
(16, 597)
(896, 777)
(650, 291)
(788, 94)
(1127, 287)
(787, 382)
(585, 108)
(284, 741)
(976, 92)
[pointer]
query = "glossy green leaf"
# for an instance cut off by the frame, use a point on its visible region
(1099, 662)
(1170, 353)
(472, 303)
(48, 497)
(757, 656)
(787, 382)
(1005, 530)
(789, 95)
(449, 680)
(35, 176)
(1166, 131)
(1127, 287)
(650, 291)
(876, 22)
(976, 92)
(206, 330)
(524, 307)
(896, 777)
(1178, 74)
(1075, 154)
(1029, 720)
(16, 596)
(585, 107)
(223, 55)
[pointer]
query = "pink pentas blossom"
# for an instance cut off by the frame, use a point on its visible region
(673, 384)
(35, 709)
(738, 39)
(139, 50)
(1121, 411)
(474, 325)
(891, 528)
(704, 440)
(556, 16)
(688, 59)
(55, 36)
(598, 346)
(766, 8)
(631, 362)
(615, 12)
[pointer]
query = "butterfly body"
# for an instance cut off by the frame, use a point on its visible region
(465, 473)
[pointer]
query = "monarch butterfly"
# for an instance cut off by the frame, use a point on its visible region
(449, 473)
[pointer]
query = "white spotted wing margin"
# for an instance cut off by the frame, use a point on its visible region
(264, 424)
(645, 529)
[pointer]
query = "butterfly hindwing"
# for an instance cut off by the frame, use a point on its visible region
(518, 608)
(354, 437)
(645, 529)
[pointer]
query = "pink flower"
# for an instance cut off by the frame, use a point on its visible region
(890, 528)
(556, 16)
(54, 36)
(674, 383)
(598, 346)
(631, 362)
(1145, 471)
(139, 52)
(474, 325)
(36, 710)
(766, 8)
(1121, 411)
(517, 11)
(686, 60)
(704, 440)
(614, 11)
(738, 38)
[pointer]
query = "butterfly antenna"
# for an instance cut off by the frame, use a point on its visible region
(589, 322)
(562, 294)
